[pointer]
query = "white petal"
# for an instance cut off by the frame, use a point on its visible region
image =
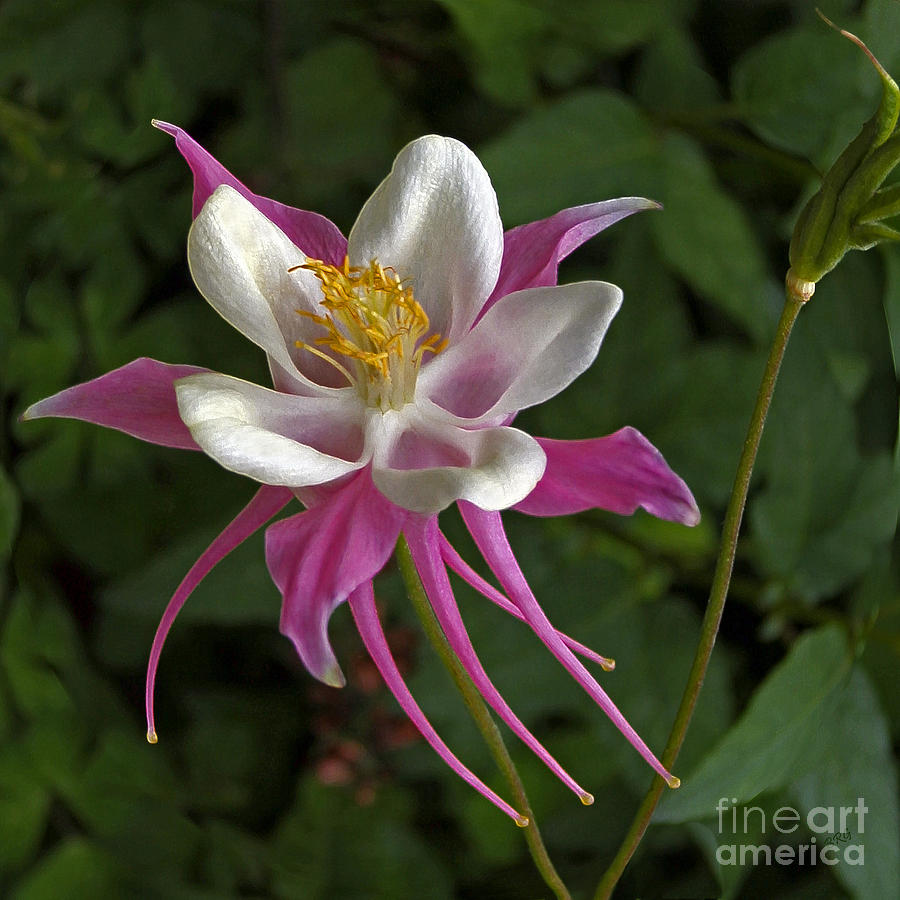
(527, 348)
(274, 438)
(241, 263)
(435, 220)
(424, 463)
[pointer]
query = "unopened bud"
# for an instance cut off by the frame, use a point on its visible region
(846, 212)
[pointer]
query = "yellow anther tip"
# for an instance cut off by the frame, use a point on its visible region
(587, 799)
(673, 782)
(151, 736)
(523, 821)
(608, 666)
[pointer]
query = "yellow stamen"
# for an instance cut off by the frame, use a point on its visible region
(523, 821)
(373, 320)
(151, 736)
(329, 359)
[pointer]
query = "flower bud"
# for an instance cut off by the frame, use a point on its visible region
(847, 211)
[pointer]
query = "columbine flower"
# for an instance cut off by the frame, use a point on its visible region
(399, 357)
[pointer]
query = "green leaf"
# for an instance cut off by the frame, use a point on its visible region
(504, 37)
(710, 838)
(91, 532)
(234, 857)
(167, 331)
(152, 93)
(124, 136)
(833, 558)
(241, 737)
(47, 305)
(617, 26)
(9, 322)
(814, 540)
(880, 21)
(800, 91)
(24, 807)
(76, 869)
(321, 150)
(81, 47)
(590, 146)
(37, 642)
(706, 237)
(704, 428)
(331, 846)
(41, 365)
(892, 303)
(181, 32)
(241, 577)
(112, 290)
(776, 737)
(124, 795)
(879, 594)
(855, 762)
(671, 76)
(53, 464)
(9, 514)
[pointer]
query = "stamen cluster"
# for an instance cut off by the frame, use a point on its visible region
(374, 321)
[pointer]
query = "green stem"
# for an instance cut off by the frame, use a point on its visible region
(480, 714)
(717, 595)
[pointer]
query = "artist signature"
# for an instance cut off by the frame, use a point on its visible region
(842, 837)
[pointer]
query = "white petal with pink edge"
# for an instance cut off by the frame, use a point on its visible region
(532, 253)
(423, 461)
(275, 438)
(527, 348)
(246, 268)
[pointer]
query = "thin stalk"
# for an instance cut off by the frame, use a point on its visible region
(481, 716)
(717, 595)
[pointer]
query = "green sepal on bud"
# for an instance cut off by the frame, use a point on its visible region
(847, 212)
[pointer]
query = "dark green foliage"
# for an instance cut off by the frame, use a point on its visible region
(267, 784)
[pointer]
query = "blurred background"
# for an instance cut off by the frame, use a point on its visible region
(268, 784)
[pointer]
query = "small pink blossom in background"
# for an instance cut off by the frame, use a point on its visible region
(399, 357)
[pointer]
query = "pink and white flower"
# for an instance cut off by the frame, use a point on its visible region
(399, 358)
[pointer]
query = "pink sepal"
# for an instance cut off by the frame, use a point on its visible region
(424, 545)
(315, 235)
(532, 253)
(619, 472)
(137, 398)
(365, 614)
(318, 557)
(486, 529)
(266, 502)
(451, 557)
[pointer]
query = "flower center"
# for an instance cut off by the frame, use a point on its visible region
(373, 321)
